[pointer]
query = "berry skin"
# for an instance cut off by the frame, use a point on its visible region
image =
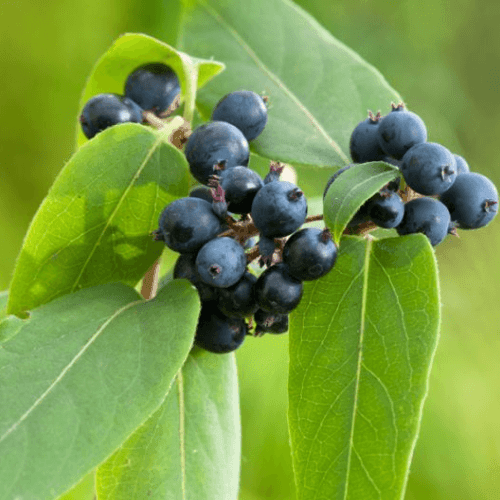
(277, 291)
(270, 323)
(218, 333)
(238, 300)
(106, 110)
(429, 168)
(245, 110)
(386, 209)
(309, 254)
(203, 192)
(462, 165)
(214, 143)
(187, 224)
(399, 131)
(472, 201)
(221, 262)
(427, 216)
(364, 145)
(240, 185)
(153, 86)
(185, 267)
(278, 209)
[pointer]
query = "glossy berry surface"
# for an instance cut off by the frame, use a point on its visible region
(240, 184)
(364, 145)
(106, 110)
(278, 209)
(277, 291)
(214, 143)
(427, 216)
(185, 267)
(386, 209)
(245, 110)
(216, 332)
(153, 86)
(187, 224)
(472, 201)
(399, 130)
(239, 300)
(309, 254)
(267, 322)
(221, 262)
(429, 168)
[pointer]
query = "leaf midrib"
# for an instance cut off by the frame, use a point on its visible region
(280, 84)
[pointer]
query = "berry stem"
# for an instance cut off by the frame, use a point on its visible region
(150, 281)
(153, 120)
(190, 97)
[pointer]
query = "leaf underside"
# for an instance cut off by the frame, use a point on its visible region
(361, 348)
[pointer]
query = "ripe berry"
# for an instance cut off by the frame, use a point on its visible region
(239, 300)
(268, 322)
(364, 144)
(203, 192)
(472, 201)
(429, 168)
(153, 86)
(216, 332)
(240, 185)
(462, 165)
(427, 216)
(221, 262)
(309, 254)
(214, 143)
(245, 110)
(400, 130)
(386, 209)
(185, 267)
(277, 291)
(278, 209)
(106, 110)
(187, 224)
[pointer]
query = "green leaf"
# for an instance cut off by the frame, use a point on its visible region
(94, 226)
(132, 50)
(361, 347)
(4, 297)
(84, 371)
(351, 189)
(190, 447)
(318, 88)
(84, 490)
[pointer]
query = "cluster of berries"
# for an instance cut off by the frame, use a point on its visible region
(215, 227)
(151, 87)
(443, 194)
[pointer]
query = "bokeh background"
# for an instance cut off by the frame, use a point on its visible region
(444, 59)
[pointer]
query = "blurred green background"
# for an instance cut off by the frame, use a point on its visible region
(444, 58)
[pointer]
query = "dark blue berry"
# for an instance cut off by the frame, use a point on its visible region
(386, 209)
(216, 332)
(214, 143)
(278, 209)
(429, 168)
(266, 248)
(277, 291)
(364, 144)
(106, 110)
(221, 262)
(240, 185)
(153, 86)
(309, 253)
(427, 216)
(245, 110)
(239, 300)
(399, 131)
(187, 224)
(472, 201)
(462, 165)
(185, 267)
(268, 322)
(275, 170)
(203, 192)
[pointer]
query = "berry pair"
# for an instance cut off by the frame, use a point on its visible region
(150, 87)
